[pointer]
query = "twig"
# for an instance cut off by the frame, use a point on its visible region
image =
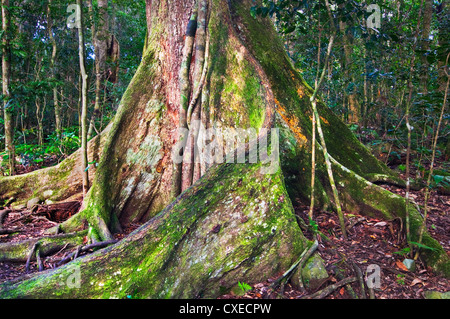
(328, 290)
(355, 222)
(39, 261)
(80, 250)
(299, 263)
(360, 279)
(45, 219)
(30, 255)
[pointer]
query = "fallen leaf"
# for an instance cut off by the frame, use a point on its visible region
(401, 265)
(381, 224)
(416, 281)
(342, 291)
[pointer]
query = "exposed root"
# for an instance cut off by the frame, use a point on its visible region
(298, 264)
(83, 249)
(3, 214)
(393, 180)
(24, 251)
(9, 231)
(360, 280)
(30, 255)
(328, 290)
(56, 183)
(361, 196)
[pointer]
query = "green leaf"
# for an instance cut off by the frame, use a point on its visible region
(423, 246)
(244, 286)
(438, 178)
(253, 12)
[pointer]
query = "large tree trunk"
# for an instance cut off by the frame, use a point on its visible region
(236, 223)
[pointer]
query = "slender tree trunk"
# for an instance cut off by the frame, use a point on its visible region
(84, 92)
(425, 43)
(443, 17)
(433, 157)
(100, 30)
(57, 106)
(353, 106)
(409, 128)
(6, 77)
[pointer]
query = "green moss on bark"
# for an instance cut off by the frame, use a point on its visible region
(220, 231)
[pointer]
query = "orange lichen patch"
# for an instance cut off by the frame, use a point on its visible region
(292, 75)
(324, 120)
(292, 123)
(300, 92)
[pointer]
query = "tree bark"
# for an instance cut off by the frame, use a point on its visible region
(237, 222)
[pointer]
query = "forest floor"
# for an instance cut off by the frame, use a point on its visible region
(370, 242)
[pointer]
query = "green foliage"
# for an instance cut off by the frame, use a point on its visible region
(404, 252)
(419, 245)
(313, 226)
(32, 154)
(375, 69)
(34, 77)
(244, 286)
(401, 279)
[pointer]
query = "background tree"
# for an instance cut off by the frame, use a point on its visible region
(6, 77)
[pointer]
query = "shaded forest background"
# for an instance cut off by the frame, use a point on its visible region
(34, 75)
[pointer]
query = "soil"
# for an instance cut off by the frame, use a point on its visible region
(370, 242)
